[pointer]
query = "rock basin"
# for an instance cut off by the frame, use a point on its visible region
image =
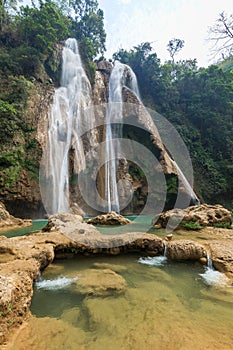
(23, 257)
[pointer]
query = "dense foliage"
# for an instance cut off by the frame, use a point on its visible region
(29, 36)
(199, 103)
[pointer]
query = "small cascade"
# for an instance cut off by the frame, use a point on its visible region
(58, 283)
(186, 184)
(155, 260)
(121, 75)
(165, 249)
(209, 261)
(212, 276)
(66, 121)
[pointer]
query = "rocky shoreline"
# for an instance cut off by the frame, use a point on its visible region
(9, 222)
(21, 258)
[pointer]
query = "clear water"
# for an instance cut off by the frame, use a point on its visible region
(164, 307)
(36, 226)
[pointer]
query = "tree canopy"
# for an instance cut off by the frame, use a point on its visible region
(199, 104)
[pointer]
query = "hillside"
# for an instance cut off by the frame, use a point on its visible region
(197, 101)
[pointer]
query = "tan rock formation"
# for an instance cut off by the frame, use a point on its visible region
(185, 250)
(109, 219)
(23, 257)
(8, 221)
(205, 215)
(222, 256)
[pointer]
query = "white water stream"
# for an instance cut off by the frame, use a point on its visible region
(120, 76)
(212, 276)
(69, 121)
(66, 122)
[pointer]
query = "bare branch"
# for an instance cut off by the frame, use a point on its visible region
(221, 35)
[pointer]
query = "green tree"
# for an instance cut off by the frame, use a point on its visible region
(5, 7)
(88, 25)
(174, 46)
(41, 27)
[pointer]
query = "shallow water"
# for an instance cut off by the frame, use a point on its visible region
(36, 226)
(168, 307)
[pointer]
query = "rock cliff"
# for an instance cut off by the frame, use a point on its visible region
(23, 198)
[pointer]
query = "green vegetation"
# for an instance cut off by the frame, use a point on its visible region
(29, 54)
(191, 226)
(227, 225)
(198, 102)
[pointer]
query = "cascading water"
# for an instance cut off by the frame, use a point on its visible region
(186, 184)
(212, 276)
(121, 75)
(66, 121)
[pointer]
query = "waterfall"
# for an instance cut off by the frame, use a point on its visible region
(121, 75)
(186, 184)
(165, 249)
(69, 103)
(209, 261)
(212, 276)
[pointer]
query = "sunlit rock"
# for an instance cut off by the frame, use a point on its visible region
(185, 250)
(111, 218)
(204, 215)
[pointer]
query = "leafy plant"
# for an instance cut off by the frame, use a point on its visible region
(227, 225)
(191, 225)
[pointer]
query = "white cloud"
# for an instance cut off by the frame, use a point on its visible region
(161, 20)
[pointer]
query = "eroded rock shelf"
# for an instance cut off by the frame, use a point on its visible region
(23, 257)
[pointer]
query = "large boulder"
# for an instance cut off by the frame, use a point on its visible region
(204, 215)
(185, 250)
(68, 223)
(111, 218)
(7, 221)
(221, 253)
(16, 289)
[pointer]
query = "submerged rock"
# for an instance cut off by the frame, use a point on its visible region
(102, 282)
(22, 258)
(111, 218)
(204, 215)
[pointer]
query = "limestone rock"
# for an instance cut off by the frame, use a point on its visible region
(100, 282)
(205, 215)
(63, 222)
(8, 221)
(113, 267)
(111, 218)
(16, 288)
(222, 256)
(104, 66)
(185, 250)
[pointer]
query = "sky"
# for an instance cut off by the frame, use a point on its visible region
(129, 23)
